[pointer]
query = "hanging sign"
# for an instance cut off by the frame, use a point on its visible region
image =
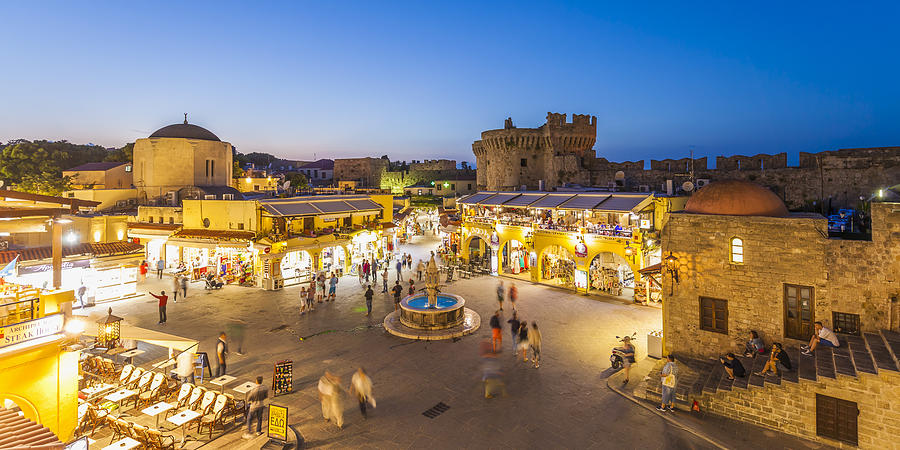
(580, 249)
(495, 240)
(33, 329)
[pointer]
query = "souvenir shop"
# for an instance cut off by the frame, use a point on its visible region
(610, 274)
(514, 258)
(558, 266)
(296, 267)
(233, 264)
(105, 278)
(363, 245)
(333, 259)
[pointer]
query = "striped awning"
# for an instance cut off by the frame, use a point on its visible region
(18, 432)
(227, 235)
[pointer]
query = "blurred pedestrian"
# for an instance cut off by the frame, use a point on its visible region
(369, 293)
(361, 385)
(184, 366)
(163, 300)
(176, 286)
(184, 286)
(257, 398)
(514, 329)
(311, 294)
(320, 287)
(412, 287)
(143, 270)
(384, 279)
(500, 293)
(534, 341)
(332, 286)
(496, 330)
(374, 271)
(81, 292)
(627, 356)
(330, 391)
(492, 375)
(419, 269)
(221, 352)
(399, 270)
(513, 295)
(366, 267)
(523, 340)
(398, 291)
(160, 266)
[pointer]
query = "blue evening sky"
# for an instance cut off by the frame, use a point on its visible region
(422, 79)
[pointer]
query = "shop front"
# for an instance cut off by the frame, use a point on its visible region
(610, 274)
(558, 266)
(228, 256)
(364, 245)
(153, 236)
(296, 267)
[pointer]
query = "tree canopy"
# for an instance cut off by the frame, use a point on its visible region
(36, 166)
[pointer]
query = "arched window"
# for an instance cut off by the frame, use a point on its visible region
(737, 251)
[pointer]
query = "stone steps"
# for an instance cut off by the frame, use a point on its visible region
(868, 353)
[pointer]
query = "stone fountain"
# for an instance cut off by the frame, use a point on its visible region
(433, 314)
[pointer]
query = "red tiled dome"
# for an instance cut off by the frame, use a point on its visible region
(736, 198)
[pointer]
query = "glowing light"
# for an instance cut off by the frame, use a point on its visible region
(72, 238)
(74, 326)
(121, 234)
(248, 179)
(62, 220)
(97, 236)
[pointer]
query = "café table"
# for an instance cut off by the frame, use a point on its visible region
(183, 417)
(129, 354)
(222, 381)
(123, 444)
(157, 409)
(95, 391)
(117, 397)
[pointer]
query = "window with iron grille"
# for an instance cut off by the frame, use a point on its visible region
(845, 323)
(836, 419)
(714, 315)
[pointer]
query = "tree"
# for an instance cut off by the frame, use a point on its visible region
(44, 184)
(236, 170)
(124, 154)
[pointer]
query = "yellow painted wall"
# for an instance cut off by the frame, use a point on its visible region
(222, 214)
(81, 230)
(115, 178)
(145, 213)
(106, 197)
(255, 184)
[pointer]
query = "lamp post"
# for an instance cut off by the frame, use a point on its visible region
(109, 331)
(671, 262)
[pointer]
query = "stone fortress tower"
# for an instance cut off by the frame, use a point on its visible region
(549, 155)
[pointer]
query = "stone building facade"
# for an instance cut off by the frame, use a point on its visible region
(381, 173)
(558, 153)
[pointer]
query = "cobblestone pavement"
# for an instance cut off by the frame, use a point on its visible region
(565, 403)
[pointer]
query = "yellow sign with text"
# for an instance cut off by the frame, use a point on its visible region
(278, 416)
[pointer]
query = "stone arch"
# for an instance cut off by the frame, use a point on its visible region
(617, 257)
(540, 257)
(500, 267)
(28, 409)
(618, 251)
(464, 249)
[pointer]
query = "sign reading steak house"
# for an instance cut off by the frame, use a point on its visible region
(33, 329)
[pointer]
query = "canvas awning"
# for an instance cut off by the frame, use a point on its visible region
(131, 332)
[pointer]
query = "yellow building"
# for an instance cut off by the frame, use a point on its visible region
(38, 374)
(587, 241)
(108, 198)
(179, 156)
(101, 175)
(256, 184)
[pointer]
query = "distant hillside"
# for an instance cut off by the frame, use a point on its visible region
(36, 166)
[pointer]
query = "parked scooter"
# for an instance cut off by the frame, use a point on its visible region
(617, 358)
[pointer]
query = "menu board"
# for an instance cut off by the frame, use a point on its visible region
(283, 380)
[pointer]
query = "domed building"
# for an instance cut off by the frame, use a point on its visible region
(182, 160)
(736, 198)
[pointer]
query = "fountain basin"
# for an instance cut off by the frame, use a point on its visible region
(447, 313)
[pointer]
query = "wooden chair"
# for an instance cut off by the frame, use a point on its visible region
(134, 378)
(195, 398)
(237, 409)
(110, 370)
(143, 385)
(96, 418)
(205, 405)
(158, 441)
(152, 394)
(184, 394)
(139, 433)
(214, 417)
(125, 373)
(119, 428)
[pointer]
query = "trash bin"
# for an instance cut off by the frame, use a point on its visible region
(654, 344)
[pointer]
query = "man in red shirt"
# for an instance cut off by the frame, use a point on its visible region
(163, 299)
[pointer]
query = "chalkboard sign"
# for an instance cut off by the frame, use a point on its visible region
(283, 380)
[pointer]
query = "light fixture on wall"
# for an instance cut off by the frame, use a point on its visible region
(672, 266)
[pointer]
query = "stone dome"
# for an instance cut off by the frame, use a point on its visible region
(185, 130)
(736, 198)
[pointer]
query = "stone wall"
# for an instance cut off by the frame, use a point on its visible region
(858, 277)
(376, 172)
(433, 164)
(791, 408)
(365, 171)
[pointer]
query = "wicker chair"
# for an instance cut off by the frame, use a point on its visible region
(151, 394)
(158, 441)
(205, 405)
(96, 417)
(181, 401)
(234, 408)
(142, 386)
(215, 416)
(134, 378)
(125, 373)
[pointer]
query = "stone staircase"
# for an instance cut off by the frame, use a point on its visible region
(869, 353)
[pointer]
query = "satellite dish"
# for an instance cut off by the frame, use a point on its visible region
(205, 223)
(620, 175)
(687, 186)
(287, 185)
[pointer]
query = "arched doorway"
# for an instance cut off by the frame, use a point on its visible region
(296, 267)
(333, 259)
(16, 403)
(514, 259)
(479, 252)
(558, 266)
(611, 274)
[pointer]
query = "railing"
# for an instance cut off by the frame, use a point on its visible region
(19, 311)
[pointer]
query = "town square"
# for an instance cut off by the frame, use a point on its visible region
(586, 225)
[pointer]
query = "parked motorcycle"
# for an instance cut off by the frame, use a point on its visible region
(617, 358)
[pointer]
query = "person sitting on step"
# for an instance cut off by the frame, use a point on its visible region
(754, 346)
(733, 366)
(779, 361)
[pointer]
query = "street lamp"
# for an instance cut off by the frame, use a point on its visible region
(672, 266)
(109, 331)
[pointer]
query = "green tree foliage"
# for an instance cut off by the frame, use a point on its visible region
(298, 181)
(37, 166)
(236, 170)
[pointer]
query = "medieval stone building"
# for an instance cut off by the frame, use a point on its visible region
(381, 173)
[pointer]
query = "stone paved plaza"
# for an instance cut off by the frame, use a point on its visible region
(564, 404)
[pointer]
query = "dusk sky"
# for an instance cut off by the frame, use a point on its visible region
(421, 80)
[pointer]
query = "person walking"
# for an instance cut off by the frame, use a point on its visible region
(311, 294)
(534, 341)
(398, 291)
(399, 270)
(369, 293)
(184, 286)
(513, 295)
(163, 300)
(412, 287)
(374, 271)
(420, 268)
(361, 385)
(366, 267)
(80, 293)
(184, 366)
(176, 286)
(668, 378)
(143, 270)
(500, 293)
(330, 395)
(221, 353)
(320, 287)
(627, 356)
(257, 398)
(160, 266)
(496, 330)
(332, 286)
(514, 329)
(523, 340)
(384, 279)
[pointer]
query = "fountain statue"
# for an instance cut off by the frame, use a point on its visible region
(433, 314)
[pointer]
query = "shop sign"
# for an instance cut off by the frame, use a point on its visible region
(33, 329)
(277, 428)
(80, 263)
(267, 250)
(645, 224)
(581, 280)
(495, 240)
(581, 249)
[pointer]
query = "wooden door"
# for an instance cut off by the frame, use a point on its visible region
(799, 307)
(836, 419)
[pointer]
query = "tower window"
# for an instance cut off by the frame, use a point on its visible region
(523, 162)
(737, 251)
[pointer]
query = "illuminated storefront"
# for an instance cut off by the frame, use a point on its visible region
(225, 255)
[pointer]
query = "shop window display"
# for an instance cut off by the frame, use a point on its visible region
(558, 265)
(610, 274)
(296, 267)
(515, 257)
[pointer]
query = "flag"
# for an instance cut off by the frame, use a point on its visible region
(8, 270)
